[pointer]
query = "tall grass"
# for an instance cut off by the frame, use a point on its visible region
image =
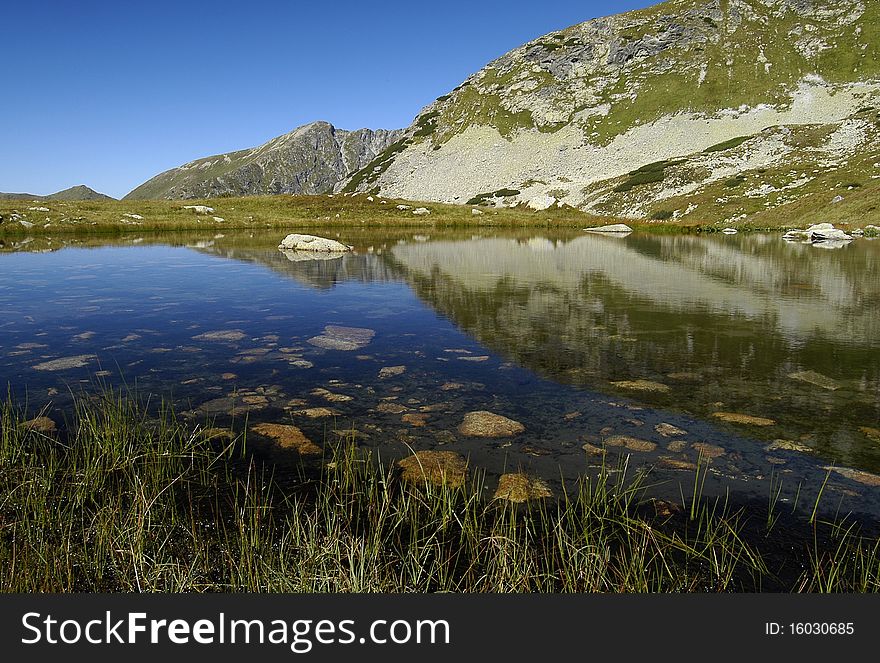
(124, 501)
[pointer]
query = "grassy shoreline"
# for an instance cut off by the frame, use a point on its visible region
(291, 212)
(131, 502)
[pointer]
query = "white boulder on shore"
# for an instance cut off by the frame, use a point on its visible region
(818, 233)
(613, 228)
(296, 242)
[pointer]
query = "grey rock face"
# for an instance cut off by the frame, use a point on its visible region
(311, 159)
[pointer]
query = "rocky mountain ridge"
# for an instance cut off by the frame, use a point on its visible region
(310, 159)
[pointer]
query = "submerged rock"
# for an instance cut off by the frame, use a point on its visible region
(488, 424)
(414, 419)
(642, 385)
(434, 467)
(316, 412)
(391, 371)
(613, 228)
(234, 405)
(631, 443)
(343, 338)
(709, 450)
(730, 231)
(676, 463)
(287, 436)
(859, 476)
(297, 242)
(330, 396)
(39, 425)
(65, 363)
(814, 378)
(668, 430)
(519, 488)
(788, 445)
(747, 419)
(391, 408)
(221, 335)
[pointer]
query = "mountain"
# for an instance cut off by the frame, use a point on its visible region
(79, 192)
(690, 109)
(310, 159)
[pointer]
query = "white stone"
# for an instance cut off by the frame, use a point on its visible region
(296, 242)
(403, 208)
(421, 211)
(134, 216)
(38, 209)
(818, 233)
(476, 212)
(200, 209)
(218, 219)
(730, 231)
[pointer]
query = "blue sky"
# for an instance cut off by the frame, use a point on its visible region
(109, 94)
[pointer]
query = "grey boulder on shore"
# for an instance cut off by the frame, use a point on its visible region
(296, 242)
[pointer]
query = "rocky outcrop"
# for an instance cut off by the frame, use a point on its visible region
(311, 159)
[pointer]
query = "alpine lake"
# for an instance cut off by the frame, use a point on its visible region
(747, 359)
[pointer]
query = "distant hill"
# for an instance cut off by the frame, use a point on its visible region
(79, 192)
(311, 159)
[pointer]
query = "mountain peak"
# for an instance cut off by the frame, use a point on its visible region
(310, 159)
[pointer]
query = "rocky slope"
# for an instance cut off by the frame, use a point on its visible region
(79, 192)
(691, 109)
(310, 159)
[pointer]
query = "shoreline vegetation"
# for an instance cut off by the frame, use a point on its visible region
(128, 498)
(47, 218)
